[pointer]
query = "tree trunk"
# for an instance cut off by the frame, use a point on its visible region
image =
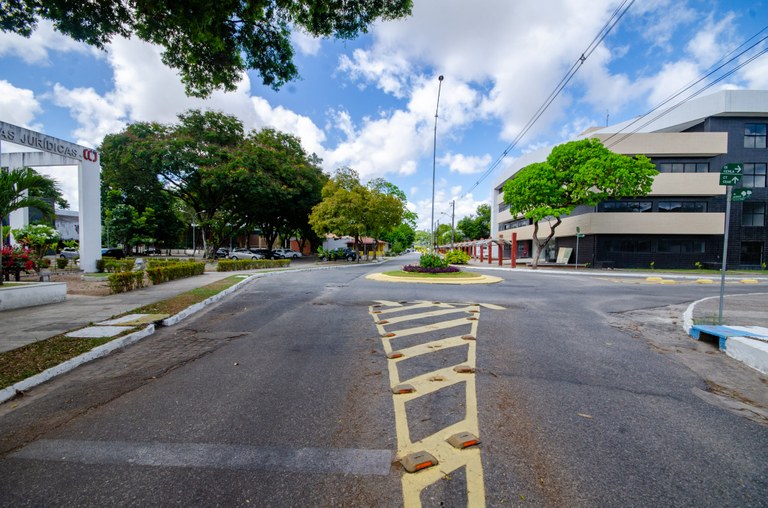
(538, 245)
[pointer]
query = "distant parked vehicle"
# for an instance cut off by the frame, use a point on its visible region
(265, 253)
(151, 251)
(340, 253)
(111, 252)
(241, 253)
(221, 253)
(69, 253)
(286, 253)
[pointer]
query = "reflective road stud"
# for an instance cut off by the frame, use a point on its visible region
(417, 461)
(463, 440)
(394, 354)
(403, 388)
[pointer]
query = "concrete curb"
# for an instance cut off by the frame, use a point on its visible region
(97, 352)
(15, 389)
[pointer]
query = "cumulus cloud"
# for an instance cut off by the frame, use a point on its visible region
(19, 106)
(465, 164)
(37, 48)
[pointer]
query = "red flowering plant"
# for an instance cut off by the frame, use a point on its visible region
(15, 260)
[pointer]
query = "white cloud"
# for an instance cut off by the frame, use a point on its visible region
(18, 106)
(465, 165)
(97, 115)
(307, 44)
(37, 47)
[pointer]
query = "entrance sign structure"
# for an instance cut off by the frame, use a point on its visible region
(730, 175)
(56, 152)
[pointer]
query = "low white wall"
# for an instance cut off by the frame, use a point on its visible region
(29, 294)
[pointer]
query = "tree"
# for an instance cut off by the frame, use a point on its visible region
(22, 188)
(577, 173)
(475, 227)
(211, 43)
(343, 208)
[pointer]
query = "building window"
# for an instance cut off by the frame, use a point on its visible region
(683, 167)
(753, 175)
(674, 246)
(624, 206)
(754, 135)
(503, 206)
(753, 214)
(519, 223)
(627, 245)
(683, 206)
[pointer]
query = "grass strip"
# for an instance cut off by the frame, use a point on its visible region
(26, 361)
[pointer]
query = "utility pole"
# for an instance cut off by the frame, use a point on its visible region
(453, 209)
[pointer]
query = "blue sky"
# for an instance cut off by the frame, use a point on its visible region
(369, 103)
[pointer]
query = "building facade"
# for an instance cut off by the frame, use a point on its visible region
(682, 221)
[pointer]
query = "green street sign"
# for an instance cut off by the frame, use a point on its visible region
(579, 235)
(729, 179)
(732, 169)
(741, 194)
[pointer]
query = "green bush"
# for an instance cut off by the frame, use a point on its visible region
(101, 265)
(233, 265)
(122, 265)
(61, 263)
(121, 282)
(154, 262)
(180, 270)
(456, 257)
(432, 261)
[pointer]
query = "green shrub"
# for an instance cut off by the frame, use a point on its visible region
(432, 261)
(233, 265)
(456, 257)
(121, 265)
(61, 263)
(154, 262)
(179, 270)
(101, 265)
(121, 282)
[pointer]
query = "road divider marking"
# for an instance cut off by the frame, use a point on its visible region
(452, 447)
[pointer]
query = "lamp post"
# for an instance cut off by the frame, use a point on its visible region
(434, 158)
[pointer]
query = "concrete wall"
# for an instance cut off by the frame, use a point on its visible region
(29, 294)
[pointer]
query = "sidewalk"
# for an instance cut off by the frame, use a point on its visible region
(19, 327)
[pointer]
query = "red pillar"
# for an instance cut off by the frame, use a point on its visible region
(482, 253)
(514, 251)
(490, 251)
(501, 249)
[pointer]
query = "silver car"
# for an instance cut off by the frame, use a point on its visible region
(69, 253)
(287, 253)
(242, 253)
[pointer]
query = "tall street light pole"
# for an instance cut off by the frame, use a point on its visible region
(434, 159)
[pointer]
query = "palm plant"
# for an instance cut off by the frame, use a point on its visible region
(21, 188)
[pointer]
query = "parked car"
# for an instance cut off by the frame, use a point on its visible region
(151, 251)
(340, 253)
(265, 253)
(112, 252)
(221, 252)
(242, 253)
(286, 253)
(69, 253)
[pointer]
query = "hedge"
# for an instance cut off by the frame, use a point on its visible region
(155, 262)
(113, 265)
(233, 265)
(121, 282)
(179, 270)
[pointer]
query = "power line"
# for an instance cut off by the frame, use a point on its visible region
(619, 13)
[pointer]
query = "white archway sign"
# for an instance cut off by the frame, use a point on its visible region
(56, 152)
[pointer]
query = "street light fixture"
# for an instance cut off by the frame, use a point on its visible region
(434, 160)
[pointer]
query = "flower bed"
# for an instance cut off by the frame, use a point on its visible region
(430, 269)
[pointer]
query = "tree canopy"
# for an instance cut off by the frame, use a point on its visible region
(349, 208)
(205, 170)
(210, 42)
(576, 173)
(475, 227)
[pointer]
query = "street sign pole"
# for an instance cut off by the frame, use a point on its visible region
(578, 234)
(725, 251)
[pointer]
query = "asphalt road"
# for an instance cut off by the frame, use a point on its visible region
(281, 396)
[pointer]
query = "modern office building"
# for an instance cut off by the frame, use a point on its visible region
(682, 221)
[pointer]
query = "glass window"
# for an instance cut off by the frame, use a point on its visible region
(624, 206)
(754, 135)
(627, 245)
(683, 206)
(753, 175)
(753, 214)
(675, 246)
(683, 167)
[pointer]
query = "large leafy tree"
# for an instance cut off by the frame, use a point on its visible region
(342, 210)
(210, 42)
(577, 173)
(275, 184)
(24, 188)
(189, 160)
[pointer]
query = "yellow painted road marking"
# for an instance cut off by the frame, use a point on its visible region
(449, 458)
